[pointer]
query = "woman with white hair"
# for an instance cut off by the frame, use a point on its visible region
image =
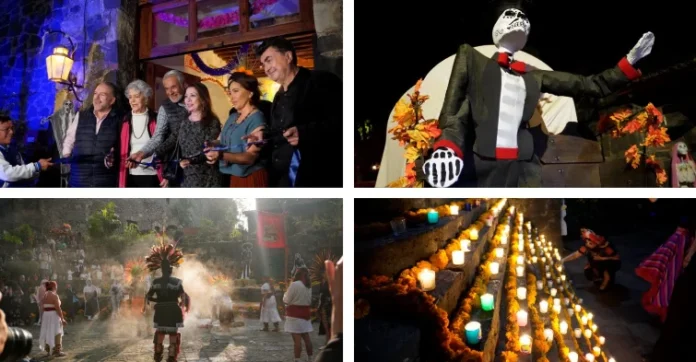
(136, 130)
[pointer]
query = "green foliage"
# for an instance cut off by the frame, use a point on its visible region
(365, 130)
(26, 234)
(236, 234)
(104, 222)
(11, 238)
(107, 235)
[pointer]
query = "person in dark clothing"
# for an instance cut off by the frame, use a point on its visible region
(603, 261)
(92, 141)
(324, 310)
(333, 351)
(305, 128)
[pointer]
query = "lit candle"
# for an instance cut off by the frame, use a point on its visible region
(588, 333)
(520, 260)
(553, 292)
(494, 268)
(433, 216)
(534, 259)
(561, 288)
(548, 333)
(566, 301)
(548, 276)
(499, 252)
(520, 246)
(540, 285)
(550, 283)
(596, 351)
(612, 359)
(557, 301)
(573, 357)
(543, 307)
(473, 332)
(557, 309)
(521, 293)
(521, 318)
(589, 357)
(558, 280)
(427, 279)
(570, 312)
(590, 316)
(487, 302)
(504, 239)
(543, 260)
(602, 340)
(454, 210)
(578, 332)
(457, 257)
(594, 328)
(579, 300)
(564, 327)
(473, 234)
(520, 271)
(584, 320)
(464, 245)
(525, 344)
(578, 308)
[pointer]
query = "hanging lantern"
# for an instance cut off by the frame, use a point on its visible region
(59, 64)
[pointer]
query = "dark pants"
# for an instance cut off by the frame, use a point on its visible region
(596, 270)
(507, 173)
(142, 181)
(678, 331)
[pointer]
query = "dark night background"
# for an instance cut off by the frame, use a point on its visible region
(403, 42)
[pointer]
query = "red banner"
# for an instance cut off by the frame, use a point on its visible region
(270, 230)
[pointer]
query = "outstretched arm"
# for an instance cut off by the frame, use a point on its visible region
(572, 256)
(598, 85)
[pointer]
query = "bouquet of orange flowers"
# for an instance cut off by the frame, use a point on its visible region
(414, 133)
(648, 121)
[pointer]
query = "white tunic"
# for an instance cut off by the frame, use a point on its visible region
(51, 326)
(269, 312)
(298, 294)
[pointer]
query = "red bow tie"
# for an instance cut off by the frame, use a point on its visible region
(504, 61)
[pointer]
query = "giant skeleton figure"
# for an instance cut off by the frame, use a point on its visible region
(170, 300)
(497, 97)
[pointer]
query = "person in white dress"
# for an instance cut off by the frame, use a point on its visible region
(52, 321)
(298, 299)
(269, 307)
(40, 292)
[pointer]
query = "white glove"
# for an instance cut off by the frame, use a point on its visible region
(642, 48)
(443, 168)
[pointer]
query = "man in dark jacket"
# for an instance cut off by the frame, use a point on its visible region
(91, 138)
(306, 123)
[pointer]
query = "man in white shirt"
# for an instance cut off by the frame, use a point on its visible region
(13, 171)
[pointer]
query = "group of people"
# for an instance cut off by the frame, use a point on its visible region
(184, 144)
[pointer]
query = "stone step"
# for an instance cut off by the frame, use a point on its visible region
(391, 254)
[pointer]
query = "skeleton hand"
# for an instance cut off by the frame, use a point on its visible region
(443, 168)
(642, 48)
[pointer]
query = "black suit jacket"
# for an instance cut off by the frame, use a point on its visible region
(473, 98)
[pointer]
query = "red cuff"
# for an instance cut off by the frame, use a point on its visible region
(627, 69)
(450, 145)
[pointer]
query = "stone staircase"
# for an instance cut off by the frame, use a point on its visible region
(383, 338)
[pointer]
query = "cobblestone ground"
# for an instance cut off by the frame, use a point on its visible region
(101, 341)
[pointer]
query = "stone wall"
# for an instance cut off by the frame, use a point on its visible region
(544, 214)
(104, 36)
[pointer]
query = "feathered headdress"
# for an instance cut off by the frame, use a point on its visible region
(220, 281)
(318, 268)
(164, 254)
(135, 270)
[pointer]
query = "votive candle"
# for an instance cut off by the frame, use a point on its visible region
(563, 277)
(504, 239)
(427, 279)
(590, 316)
(573, 357)
(578, 308)
(566, 301)
(548, 333)
(564, 327)
(520, 246)
(494, 267)
(520, 260)
(487, 302)
(525, 344)
(521, 293)
(499, 252)
(589, 357)
(521, 318)
(550, 283)
(540, 285)
(602, 340)
(464, 245)
(473, 332)
(548, 276)
(557, 301)
(553, 292)
(588, 333)
(473, 234)
(557, 309)
(594, 328)
(584, 320)
(578, 332)
(454, 210)
(571, 312)
(433, 216)
(596, 351)
(457, 257)
(543, 307)
(534, 259)
(612, 359)
(520, 271)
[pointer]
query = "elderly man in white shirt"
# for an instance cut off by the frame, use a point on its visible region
(13, 171)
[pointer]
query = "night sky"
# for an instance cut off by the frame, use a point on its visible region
(579, 37)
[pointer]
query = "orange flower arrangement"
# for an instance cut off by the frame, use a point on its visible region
(649, 121)
(414, 133)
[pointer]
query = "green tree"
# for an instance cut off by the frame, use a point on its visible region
(107, 234)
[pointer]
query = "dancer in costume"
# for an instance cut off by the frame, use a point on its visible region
(496, 98)
(138, 286)
(603, 261)
(167, 292)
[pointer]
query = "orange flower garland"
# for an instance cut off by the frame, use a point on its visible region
(512, 330)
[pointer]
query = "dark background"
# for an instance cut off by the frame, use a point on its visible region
(397, 43)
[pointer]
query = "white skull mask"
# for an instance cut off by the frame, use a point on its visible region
(511, 30)
(68, 106)
(682, 149)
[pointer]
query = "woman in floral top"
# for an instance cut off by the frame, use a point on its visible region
(202, 126)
